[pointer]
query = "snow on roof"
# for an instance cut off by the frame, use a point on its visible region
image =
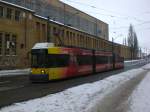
(18, 6)
(57, 22)
(43, 45)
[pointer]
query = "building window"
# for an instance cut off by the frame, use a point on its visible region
(43, 28)
(54, 30)
(1, 39)
(74, 39)
(44, 31)
(7, 44)
(70, 38)
(62, 33)
(37, 26)
(13, 44)
(55, 33)
(73, 35)
(1, 11)
(9, 13)
(78, 40)
(67, 35)
(17, 15)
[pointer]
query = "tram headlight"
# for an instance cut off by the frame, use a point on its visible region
(42, 71)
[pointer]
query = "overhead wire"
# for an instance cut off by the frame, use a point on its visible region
(114, 15)
(119, 15)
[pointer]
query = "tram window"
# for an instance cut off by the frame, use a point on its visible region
(110, 59)
(57, 60)
(38, 60)
(34, 61)
(101, 59)
(84, 60)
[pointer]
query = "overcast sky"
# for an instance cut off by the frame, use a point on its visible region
(119, 14)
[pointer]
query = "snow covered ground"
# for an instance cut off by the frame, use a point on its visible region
(113, 94)
(14, 72)
(140, 98)
(136, 62)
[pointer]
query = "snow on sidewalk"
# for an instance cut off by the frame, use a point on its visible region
(78, 99)
(140, 98)
(14, 72)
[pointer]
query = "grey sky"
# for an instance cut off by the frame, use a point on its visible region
(119, 14)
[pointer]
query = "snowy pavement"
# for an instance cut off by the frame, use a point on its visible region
(140, 99)
(136, 62)
(14, 72)
(118, 93)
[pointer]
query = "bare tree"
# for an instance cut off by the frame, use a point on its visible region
(133, 42)
(136, 46)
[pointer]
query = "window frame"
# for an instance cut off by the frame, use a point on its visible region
(1, 12)
(17, 15)
(14, 41)
(7, 41)
(9, 13)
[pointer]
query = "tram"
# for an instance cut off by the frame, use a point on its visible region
(49, 62)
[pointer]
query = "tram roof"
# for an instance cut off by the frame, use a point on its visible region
(43, 45)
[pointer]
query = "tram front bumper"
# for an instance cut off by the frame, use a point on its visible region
(39, 77)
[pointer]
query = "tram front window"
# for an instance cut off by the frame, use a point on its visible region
(50, 60)
(38, 60)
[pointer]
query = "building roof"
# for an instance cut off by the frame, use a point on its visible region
(59, 23)
(17, 6)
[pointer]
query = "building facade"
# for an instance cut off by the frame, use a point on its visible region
(21, 28)
(67, 15)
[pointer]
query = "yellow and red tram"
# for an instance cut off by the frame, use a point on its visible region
(50, 62)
